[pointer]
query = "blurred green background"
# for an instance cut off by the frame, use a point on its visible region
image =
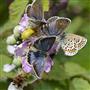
(68, 73)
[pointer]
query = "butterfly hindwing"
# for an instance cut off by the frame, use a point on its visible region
(37, 60)
(71, 43)
(45, 43)
(81, 41)
(39, 66)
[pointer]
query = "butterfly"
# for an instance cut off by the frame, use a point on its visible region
(35, 12)
(38, 58)
(55, 26)
(70, 43)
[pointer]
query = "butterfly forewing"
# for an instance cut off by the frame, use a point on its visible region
(47, 43)
(56, 25)
(62, 23)
(45, 28)
(35, 10)
(52, 19)
(44, 44)
(71, 43)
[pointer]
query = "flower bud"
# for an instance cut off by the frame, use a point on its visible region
(16, 31)
(8, 67)
(12, 86)
(27, 33)
(11, 40)
(17, 61)
(11, 49)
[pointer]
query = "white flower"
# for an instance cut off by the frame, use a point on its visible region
(8, 67)
(14, 87)
(11, 49)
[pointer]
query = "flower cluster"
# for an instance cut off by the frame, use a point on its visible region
(28, 58)
(34, 43)
(22, 48)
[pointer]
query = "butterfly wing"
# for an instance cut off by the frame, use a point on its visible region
(52, 19)
(81, 41)
(37, 59)
(39, 66)
(71, 43)
(45, 28)
(36, 14)
(35, 10)
(56, 25)
(62, 23)
(45, 43)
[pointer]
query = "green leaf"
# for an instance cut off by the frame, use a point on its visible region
(48, 85)
(3, 85)
(3, 46)
(87, 76)
(83, 57)
(45, 4)
(16, 10)
(3, 11)
(80, 84)
(82, 5)
(57, 72)
(5, 60)
(73, 69)
(75, 25)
